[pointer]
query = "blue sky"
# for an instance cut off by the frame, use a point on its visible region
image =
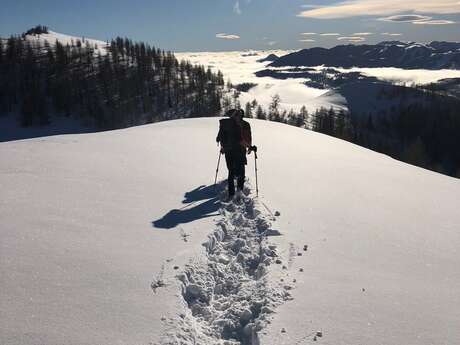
(215, 25)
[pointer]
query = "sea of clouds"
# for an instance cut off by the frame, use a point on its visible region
(240, 67)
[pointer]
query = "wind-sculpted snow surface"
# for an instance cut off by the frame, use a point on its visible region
(229, 294)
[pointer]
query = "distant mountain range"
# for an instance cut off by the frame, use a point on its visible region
(408, 55)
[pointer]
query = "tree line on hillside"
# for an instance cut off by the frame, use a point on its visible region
(38, 30)
(126, 83)
(425, 134)
(123, 84)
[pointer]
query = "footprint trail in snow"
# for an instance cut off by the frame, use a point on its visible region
(228, 294)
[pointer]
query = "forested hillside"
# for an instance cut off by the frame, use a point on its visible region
(121, 83)
(131, 83)
(424, 133)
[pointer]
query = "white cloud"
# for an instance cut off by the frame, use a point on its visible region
(330, 34)
(308, 33)
(435, 22)
(311, 6)
(390, 34)
(236, 7)
(268, 42)
(416, 19)
(353, 39)
(307, 40)
(405, 18)
(353, 8)
(227, 36)
(362, 34)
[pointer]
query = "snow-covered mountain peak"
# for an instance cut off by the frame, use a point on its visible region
(51, 37)
(392, 43)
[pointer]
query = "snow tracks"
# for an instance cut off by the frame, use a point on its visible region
(228, 295)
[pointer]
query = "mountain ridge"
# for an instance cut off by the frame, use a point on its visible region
(408, 55)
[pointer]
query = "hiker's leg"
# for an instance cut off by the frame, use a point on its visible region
(241, 177)
(231, 173)
(231, 182)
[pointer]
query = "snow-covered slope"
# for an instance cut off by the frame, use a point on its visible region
(96, 228)
(51, 37)
(11, 129)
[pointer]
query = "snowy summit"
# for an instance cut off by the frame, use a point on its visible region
(51, 37)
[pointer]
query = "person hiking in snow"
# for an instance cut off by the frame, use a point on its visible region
(235, 139)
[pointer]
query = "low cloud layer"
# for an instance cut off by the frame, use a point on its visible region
(352, 39)
(330, 34)
(227, 36)
(353, 8)
(240, 68)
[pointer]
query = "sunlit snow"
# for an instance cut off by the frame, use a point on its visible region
(96, 228)
(51, 37)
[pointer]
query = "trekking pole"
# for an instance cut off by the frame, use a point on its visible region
(255, 164)
(217, 169)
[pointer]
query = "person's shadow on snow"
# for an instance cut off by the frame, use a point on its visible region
(189, 214)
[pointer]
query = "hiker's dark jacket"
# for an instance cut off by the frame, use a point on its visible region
(235, 139)
(233, 136)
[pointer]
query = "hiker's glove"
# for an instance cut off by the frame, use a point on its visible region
(252, 148)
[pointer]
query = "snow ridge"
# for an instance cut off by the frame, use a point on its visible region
(229, 295)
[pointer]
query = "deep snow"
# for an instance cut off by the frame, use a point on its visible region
(97, 228)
